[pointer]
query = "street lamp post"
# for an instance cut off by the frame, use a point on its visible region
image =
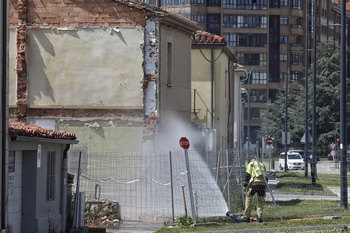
(249, 78)
(248, 129)
(343, 139)
(306, 91)
(286, 111)
(313, 159)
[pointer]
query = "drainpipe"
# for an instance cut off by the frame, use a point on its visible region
(212, 87)
(4, 112)
(64, 188)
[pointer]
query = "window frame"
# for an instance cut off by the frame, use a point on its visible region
(51, 176)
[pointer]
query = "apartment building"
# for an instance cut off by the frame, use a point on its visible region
(270, 37)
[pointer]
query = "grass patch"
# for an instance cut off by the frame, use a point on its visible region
(296, 213)
(298, 225)
(295, 182)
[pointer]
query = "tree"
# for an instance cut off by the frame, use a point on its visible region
(327, 101)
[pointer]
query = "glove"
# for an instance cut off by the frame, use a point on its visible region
(245, 184)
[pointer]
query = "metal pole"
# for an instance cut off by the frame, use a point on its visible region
(77, 203)
(212, 89)
(343, 139)
(190, 187)
(306, 90)
(248, 115)
(4, 112)
(171, 186)
(313, 160)
(286, 112)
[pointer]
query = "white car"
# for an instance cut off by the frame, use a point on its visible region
(294, 161)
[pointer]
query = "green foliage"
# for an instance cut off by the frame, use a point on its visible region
(327, 102)
(185, 221)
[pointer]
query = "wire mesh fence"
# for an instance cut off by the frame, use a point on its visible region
(155, 187)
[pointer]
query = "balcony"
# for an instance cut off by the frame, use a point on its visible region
(297, 12)
(296, 29)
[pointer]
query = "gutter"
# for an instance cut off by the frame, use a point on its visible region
(64, 188)
(39, 139)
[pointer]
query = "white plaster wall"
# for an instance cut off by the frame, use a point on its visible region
(85, 67)
(15, 194)
(201, 81)
(12, 67)
(175, 100)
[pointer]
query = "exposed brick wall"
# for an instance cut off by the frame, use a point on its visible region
(79, 113)
(83, 13)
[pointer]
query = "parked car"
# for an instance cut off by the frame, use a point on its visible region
(294, 161)
(301, 152)
(332, 155)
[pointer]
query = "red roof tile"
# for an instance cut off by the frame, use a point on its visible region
(200, 37)
(338, 2)
(17, 128)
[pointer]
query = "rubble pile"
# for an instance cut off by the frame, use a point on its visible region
(101, 213)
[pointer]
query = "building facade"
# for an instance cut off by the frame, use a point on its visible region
(271, 39)
(116, 73)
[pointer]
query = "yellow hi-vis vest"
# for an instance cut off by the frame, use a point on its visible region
(256, 174)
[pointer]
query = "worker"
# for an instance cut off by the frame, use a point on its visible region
(255, 183)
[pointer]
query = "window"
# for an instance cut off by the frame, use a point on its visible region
(244, 21)
(283, 39)
(198, 18)
(296, 4)
(258, 77)
(152, 2)
(213, 2)
(284, 21)
(169, 77)
(50, 176)
(258, 96)
(297, 58)
(295, 76)
(246, 40)
(170, 2)
(252, 59)
(283, 57)
(284, 3)
(274, 3)
(245, 4)
(194, 2)
(214, 23)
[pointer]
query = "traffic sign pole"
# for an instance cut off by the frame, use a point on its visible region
(269, 142)
(185, 144)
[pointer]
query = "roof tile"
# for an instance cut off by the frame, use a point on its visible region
(18, 128)
(203, 37)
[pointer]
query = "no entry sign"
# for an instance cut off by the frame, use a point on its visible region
(184, 143)
(269, 141)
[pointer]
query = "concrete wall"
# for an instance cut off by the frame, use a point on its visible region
(29, 210)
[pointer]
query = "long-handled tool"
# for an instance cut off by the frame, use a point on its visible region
(183, 195)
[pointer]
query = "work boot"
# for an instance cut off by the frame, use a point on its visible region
(260, 219)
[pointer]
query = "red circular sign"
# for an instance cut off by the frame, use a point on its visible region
(184, 143)
(269, 141)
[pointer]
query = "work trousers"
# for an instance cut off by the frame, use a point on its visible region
(260, 191)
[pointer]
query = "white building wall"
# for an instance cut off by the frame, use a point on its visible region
(75, 67)
(15, 191)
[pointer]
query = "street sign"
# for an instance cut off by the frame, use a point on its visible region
(184, 143)
(269, 141)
